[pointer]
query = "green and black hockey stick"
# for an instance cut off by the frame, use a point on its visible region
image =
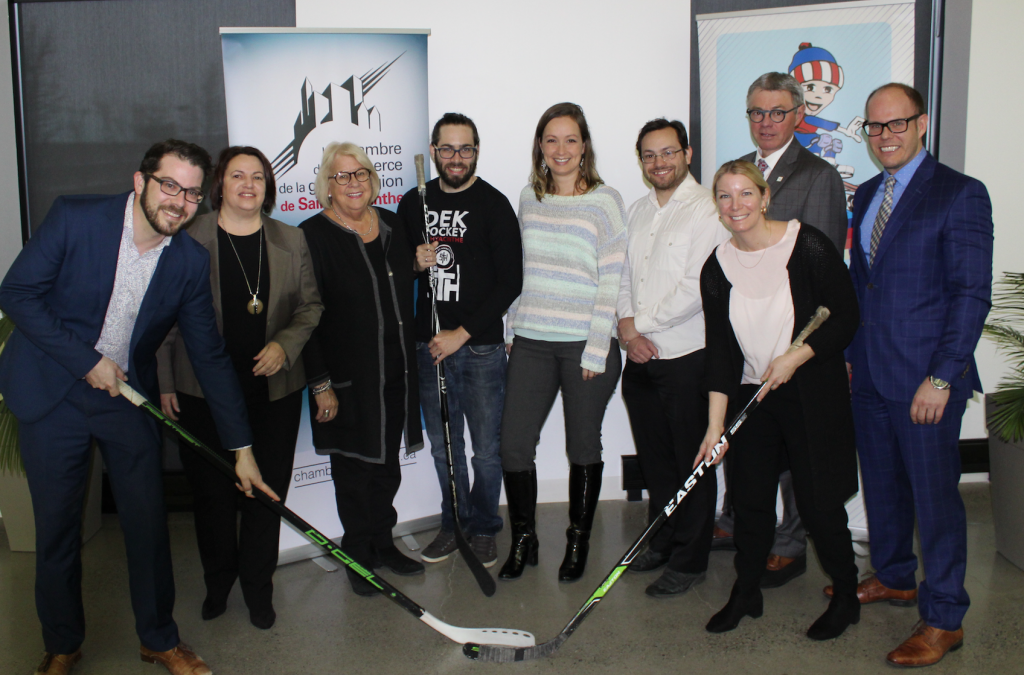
(496, 636)
(508, 654)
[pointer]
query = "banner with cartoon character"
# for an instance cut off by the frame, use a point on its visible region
(290, 92)
(838, 52)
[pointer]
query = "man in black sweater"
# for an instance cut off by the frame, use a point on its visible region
(476, 252)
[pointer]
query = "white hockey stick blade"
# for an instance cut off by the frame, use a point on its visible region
(487, 636)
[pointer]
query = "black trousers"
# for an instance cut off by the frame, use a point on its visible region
(365, 492)
(227, 551)
(772, 437)
(669, 416)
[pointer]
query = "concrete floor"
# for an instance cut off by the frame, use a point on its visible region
(323, 627)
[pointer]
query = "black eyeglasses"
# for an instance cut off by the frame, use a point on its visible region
(172, 189)
(345, 177)
(895, 126)
(447, 151)
(667, 155)
(757, 115)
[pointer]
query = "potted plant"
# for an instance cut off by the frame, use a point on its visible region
(1005, 414)
(15, 500)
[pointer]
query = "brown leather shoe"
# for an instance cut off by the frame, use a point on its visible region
(179, 661)
(871, 590)
(58, 664)
(926, 646)
(722, 540)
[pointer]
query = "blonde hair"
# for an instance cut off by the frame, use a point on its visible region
(331, 152)
(741, 167)
(540, 179)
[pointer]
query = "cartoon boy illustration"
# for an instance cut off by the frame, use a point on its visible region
(822, 78)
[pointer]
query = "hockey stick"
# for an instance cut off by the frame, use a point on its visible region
(502, 636)
(507, 654)
(483, 577)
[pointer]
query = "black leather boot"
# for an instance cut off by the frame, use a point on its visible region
(521, 492)
(741, 603)
(584, 490)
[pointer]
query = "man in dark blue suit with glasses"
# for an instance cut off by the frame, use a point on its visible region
(93, 294)
(921, 263)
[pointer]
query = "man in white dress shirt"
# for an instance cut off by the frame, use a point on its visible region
(672, 231)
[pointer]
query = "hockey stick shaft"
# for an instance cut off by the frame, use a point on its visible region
(455, 633)
(483, 578)
(507, 654)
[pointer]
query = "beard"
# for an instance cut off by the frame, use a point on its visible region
(669, 181)
(152, 212)
(455, 182)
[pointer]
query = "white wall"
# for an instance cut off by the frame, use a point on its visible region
(503, 64)
(995, 94)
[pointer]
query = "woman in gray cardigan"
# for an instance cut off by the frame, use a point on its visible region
(267, 305)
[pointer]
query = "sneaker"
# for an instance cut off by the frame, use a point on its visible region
(672, 583)
(485, 549)
(439, 549)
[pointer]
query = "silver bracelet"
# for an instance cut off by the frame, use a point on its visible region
(321, 388)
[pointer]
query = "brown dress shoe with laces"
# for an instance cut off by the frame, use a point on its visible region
(179, 661)
(926, 646)
(871, 590)
(58, 664)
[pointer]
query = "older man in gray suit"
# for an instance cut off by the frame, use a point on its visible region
(805, 187)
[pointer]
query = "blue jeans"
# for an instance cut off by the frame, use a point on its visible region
(475, 376)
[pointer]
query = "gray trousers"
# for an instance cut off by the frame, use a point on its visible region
(537, 370)
(790, 536)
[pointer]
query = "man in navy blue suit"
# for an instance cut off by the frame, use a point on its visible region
(93, 294)
(921, 263)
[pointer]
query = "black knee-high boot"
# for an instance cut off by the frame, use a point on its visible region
(584, 490)
(521, 492)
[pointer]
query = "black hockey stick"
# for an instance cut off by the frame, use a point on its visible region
(483, 577)
(508, 654)
(503, 636)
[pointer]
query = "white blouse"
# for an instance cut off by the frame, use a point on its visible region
(760, 303)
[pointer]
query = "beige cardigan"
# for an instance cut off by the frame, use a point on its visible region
(293, 308)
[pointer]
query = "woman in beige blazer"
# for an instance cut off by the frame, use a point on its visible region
(267, 305)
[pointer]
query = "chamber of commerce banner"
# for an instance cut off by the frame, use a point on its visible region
(290, 92)
(838, 52)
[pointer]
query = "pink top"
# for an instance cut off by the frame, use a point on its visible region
(760, 303)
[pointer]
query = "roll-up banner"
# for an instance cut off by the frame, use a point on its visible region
(839, 53)
(290, 92)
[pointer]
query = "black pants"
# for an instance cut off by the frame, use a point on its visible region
(772, 437)
(537, 370)
(248, 554)
(669, 416)
(365, 492)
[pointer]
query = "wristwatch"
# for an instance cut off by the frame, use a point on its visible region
(937, 383)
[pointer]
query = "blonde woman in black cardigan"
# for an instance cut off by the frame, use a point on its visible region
(758, 290)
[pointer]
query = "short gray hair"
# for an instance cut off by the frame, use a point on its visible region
(321, 186)
(778, 82)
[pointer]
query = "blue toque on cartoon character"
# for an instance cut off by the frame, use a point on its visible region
(821, 78)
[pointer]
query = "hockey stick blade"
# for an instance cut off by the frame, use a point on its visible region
(499, 636)
(508, 654)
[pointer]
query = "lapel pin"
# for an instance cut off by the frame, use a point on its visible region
(779, 179)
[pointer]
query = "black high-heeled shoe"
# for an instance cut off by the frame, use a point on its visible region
(521, 492)
(584, 490)
(843, 611)
(741, 603)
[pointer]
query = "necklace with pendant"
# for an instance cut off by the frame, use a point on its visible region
(255, 306)
(352, 229)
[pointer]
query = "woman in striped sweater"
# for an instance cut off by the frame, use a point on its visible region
(560, 331)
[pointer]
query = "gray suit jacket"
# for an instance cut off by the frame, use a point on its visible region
(806, 187)
(293, 308)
